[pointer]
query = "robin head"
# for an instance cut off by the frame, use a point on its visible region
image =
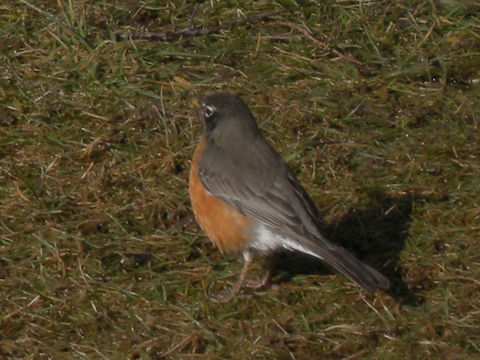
(227, 117)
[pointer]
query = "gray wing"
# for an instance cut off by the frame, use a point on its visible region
(259, 184)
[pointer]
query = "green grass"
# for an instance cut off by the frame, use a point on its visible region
(100, 256)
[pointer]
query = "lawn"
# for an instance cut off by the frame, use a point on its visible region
(375, 105)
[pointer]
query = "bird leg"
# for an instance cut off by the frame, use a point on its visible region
(248, 257)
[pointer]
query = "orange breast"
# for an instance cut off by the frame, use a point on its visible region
(225, 226)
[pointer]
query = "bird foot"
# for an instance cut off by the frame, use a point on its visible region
(259, 284)
(223, 298)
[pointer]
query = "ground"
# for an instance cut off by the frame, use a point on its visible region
(374, 105)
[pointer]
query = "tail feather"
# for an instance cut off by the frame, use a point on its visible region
(347, 264)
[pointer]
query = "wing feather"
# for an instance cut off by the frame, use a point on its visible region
(247, 183)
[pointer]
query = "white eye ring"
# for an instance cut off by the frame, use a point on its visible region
(209, 111)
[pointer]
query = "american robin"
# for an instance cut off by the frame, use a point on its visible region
(248, 201)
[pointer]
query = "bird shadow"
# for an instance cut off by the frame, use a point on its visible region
(375, 235)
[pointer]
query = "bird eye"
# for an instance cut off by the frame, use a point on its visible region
(209, 111)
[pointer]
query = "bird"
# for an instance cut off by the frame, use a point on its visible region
(248, 201)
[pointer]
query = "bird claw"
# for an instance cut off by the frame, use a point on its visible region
(224, 298)
(258, 284)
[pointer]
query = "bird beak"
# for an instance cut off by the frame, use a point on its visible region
(196, 102)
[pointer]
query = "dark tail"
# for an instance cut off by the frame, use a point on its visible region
(347, 264)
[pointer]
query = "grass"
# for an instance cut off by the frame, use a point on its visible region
(378, 114)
